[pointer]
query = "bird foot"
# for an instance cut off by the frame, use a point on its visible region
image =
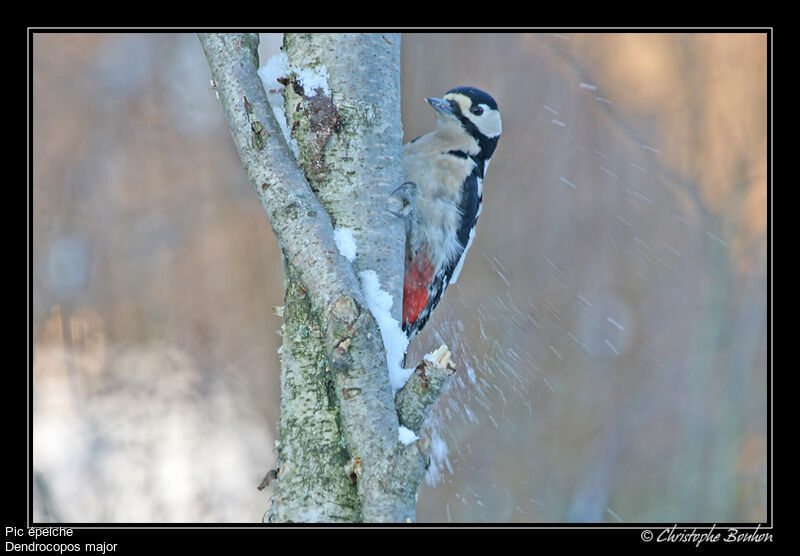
(405, 194)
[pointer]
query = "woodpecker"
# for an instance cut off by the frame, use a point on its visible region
(445, 170)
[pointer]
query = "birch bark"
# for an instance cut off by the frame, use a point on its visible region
(339, 458)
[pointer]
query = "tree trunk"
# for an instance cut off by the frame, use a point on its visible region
(339, 457)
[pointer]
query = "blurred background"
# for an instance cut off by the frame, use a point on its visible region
(609, 324)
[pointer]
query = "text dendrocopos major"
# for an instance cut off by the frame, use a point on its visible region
(445, 169)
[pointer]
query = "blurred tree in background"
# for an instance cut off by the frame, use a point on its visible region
(609, 324)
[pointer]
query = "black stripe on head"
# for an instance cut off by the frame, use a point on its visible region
(487, 145)
(475, 95)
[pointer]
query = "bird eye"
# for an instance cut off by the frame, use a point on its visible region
(477, 110)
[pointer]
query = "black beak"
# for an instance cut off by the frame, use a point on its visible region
(441, 106)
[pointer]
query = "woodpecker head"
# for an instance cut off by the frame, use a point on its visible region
(470, 110)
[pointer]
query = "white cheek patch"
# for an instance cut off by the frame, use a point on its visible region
(490, 124)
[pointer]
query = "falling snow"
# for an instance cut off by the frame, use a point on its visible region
(569, 183)
(528, 341)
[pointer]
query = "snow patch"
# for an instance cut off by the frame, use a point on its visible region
(278, 67)
(345, 242)
(313, 81)
(406, 435)
(275, 68)
(379, 302)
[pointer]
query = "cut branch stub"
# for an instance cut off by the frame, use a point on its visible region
(424, 387)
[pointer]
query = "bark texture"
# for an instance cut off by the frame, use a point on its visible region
(350, 146)
(339, 458)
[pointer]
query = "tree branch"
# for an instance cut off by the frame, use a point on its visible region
(424, 388)
(302, 226)
(339, 423)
